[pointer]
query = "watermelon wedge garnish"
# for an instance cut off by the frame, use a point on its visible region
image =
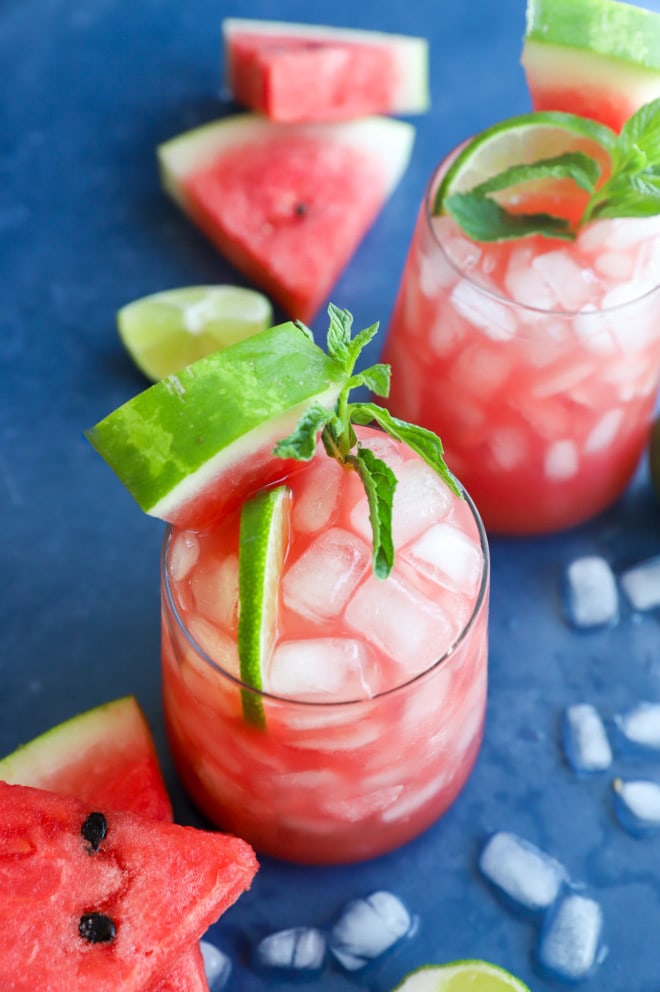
(200, 441)
(287, 204)
(304, 72)
(106, 757)
(595, 58)
(104, 901)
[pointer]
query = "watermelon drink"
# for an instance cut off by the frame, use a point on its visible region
(537, 358)
(374, 692)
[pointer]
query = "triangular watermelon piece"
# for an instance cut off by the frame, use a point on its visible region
(309, 72)
(82, 912)
(106, 758)
(287, 204)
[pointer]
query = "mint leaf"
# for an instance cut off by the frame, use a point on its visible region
(638, 144)
(340, 440)
(376, 378)
(581, 168)
(483, 219)
(301, 443)
(427, 444)
(379, 483)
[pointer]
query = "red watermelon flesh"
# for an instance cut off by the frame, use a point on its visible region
(161, 885)
(106, 757)
(287, 204)
(297, 72)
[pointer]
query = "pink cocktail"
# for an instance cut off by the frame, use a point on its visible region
(536, 360)
(375, 691)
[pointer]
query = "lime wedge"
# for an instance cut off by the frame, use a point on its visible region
(166, 331)
(461, 976)
(520, 141)
(201, 440)
(264, 535)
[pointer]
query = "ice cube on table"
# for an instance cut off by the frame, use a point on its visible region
(641, 584)
(586, 744)
(641, 724)
(319, 584)
(637, 805)
(569, 944)
(526, 875)
(447, 555)
(591, 598)
(367, 928)
(300, 949)
(217, 965)
(330, 668)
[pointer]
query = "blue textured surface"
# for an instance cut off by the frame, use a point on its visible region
(89, 88)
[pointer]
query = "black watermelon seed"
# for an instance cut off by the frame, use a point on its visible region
(94, 829)
(97, 928)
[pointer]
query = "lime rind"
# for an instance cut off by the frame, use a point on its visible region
(264, 529)
(457, 976)
(165, 331)
(521, 140)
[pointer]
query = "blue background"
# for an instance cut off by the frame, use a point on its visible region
(89, 88)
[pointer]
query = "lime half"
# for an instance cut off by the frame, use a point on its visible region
(264, 534)
(461, 976)
(521, 141)
(166, 331)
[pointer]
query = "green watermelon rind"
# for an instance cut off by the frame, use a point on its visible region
(409, 52)
(37, 762)
(175, 439)
(620, 32)
(389, 141)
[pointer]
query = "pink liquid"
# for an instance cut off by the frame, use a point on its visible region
(375, 692)
(536, 361)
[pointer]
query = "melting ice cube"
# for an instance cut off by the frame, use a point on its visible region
(641, 724)
(528, 876)
(297, 949)
(570, 939)
(641, 584)
(447, 555)
(319, 584)
(590, 593)
(337, 668)
(367, 928)
(637, 805)
(586, 745)
(217, 965)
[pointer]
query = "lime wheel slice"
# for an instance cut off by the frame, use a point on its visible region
(461, 976)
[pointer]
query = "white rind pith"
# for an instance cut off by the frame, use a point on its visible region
(389, 141)
(411, 53)
(588, 70)
(241, 450)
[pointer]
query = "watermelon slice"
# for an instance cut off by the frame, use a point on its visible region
(200, 441)
(287, 204)
(104, 901)
(106, 758)
(303, 72)
(596, 58)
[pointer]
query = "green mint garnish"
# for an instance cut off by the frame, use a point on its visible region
(631, 190)
(340, 441)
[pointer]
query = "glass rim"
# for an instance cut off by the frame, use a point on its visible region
(479, 604)
(493, 294)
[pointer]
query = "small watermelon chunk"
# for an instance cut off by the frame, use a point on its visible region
(287, 204)
(302, 72)
(106, 757)
(596, 58)
(108, 909)
(201, 440)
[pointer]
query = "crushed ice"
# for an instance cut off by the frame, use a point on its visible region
(641, 584)
(640, 724)
(367, 928)
(569, 944)
(300, 949)
(217, 965)
(637, 805)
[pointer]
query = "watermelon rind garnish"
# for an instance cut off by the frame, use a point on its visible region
(287, 204)
(598, 58)
(405, 60)
(192, 439)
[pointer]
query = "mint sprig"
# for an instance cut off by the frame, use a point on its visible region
(340, 441)
(631, 190)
